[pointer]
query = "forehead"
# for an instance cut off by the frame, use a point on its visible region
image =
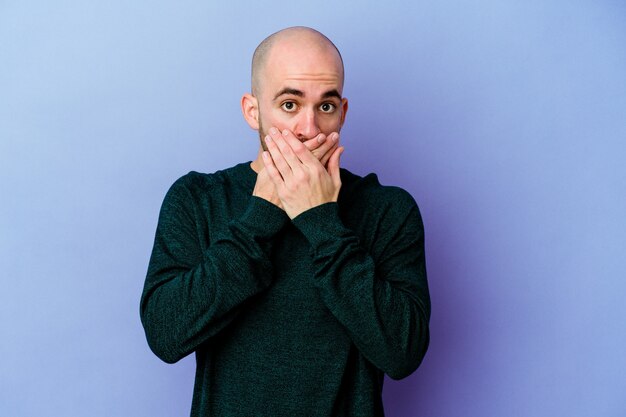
(312, 68)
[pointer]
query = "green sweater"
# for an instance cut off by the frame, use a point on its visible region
(287, 317)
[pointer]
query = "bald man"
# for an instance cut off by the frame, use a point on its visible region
(297, 284)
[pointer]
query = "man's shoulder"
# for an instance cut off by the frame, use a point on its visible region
(195, 182)
(356, 189)
(368, 206)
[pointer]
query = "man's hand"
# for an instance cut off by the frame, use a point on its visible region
(322, 147)
(301, 181)
(265, 189)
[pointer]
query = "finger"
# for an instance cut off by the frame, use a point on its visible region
(325, 147)
(285, 147)
(329, 148)
(272, 172)
(300, 151)
(333, 166)
(313, 144)
(277, 158)
(327, 155)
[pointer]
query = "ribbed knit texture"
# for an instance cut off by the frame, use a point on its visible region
(287, 318)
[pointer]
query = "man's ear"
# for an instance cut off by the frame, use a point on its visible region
(250, 110)
(344, 109)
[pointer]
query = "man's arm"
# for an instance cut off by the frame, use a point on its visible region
(189, 294)
(382, 300)
(384, 305)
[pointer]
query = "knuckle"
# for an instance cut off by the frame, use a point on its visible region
(299, 147)
(292, 187)
(302, 176)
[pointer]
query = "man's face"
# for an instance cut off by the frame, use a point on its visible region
(301, 91)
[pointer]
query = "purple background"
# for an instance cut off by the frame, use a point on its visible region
(505, 119)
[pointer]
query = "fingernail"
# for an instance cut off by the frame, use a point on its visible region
(321, 138)
(273, 130)
(268, 138)
(285, 132)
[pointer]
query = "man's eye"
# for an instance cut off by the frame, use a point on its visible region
(288, 106)
(327, 107)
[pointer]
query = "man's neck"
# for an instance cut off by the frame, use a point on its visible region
(257, 165)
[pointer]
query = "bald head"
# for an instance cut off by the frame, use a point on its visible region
(297, 38)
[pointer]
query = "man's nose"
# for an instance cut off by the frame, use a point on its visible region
(307, 127)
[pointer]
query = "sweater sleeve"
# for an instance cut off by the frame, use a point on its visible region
(384, 304)
(189, 294)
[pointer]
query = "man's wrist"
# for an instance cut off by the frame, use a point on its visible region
(320, 223)
(263, 218)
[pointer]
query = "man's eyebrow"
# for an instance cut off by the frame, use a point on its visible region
(299, 93)
(289, 91)
(332, 93)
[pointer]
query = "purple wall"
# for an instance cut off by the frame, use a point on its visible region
(506, 120)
